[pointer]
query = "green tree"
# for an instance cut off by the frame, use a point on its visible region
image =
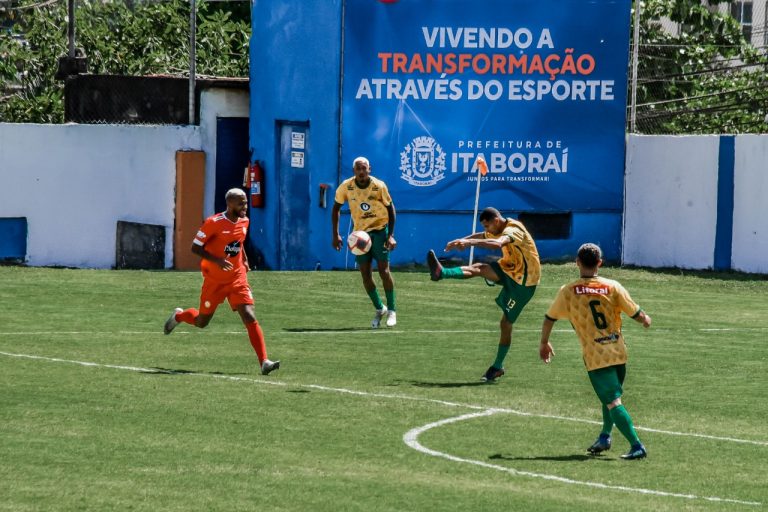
(703, 77)
(120, 37)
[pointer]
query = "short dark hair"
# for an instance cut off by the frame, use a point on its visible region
(490, 214)
(589, 255)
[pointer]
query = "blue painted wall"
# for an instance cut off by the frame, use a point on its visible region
(295, 76)
(296, 60)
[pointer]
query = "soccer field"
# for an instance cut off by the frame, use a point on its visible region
(101, 411)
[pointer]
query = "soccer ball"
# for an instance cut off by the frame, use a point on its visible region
(359, 242)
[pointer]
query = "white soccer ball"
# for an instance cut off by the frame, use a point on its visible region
(359, 242)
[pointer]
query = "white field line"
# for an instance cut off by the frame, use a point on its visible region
(381, 395)
(347, 332)
(411, 438)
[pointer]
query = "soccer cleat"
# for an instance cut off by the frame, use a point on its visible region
(376, 322)
(267, 366)
(492, 374)
(603, 444)
(636, 452)
(435, 268)
(171, 323)
(391, 318)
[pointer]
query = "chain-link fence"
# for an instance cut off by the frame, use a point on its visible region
(700, 68)
(144, 45)
(700, 65)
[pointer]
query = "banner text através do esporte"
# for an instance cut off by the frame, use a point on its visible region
(537, 87)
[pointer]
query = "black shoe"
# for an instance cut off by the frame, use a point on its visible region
(636, 452)
(603, 444)
(435, 268)
(492, 374)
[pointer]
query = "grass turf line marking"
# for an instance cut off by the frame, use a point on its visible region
(379, 395)
(411, 438)
(335, 332)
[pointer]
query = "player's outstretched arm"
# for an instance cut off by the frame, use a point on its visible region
(336, 241)
(546, 352)
(643, 318)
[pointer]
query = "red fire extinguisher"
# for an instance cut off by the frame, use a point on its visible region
(254, 180)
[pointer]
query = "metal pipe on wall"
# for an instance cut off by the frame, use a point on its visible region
(192, 59)
(635, 52)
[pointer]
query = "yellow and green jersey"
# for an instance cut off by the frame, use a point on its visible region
(594, 306)
(520, 258)
(368, 205)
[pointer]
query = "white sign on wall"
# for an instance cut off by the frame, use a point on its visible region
(297, 159)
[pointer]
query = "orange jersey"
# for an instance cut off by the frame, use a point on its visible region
(223, 239)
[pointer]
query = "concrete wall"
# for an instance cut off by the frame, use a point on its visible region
(295, 77)
(697, 202)
(750, 212)
(74, 182)
(296, 60)
(216, 103)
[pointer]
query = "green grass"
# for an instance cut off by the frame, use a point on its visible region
(192, 425)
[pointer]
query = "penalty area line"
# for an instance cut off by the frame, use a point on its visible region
(411, 439)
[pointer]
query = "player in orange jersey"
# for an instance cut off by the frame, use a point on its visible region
(594, 305)
(220, 245)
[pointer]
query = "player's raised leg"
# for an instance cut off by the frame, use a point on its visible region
(437, 271)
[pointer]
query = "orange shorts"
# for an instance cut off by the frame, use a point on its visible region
(213, 293)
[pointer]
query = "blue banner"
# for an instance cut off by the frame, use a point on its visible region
(536, 88)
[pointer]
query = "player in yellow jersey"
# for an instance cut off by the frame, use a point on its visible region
(518, 271)
(594, 306)
(372, 211)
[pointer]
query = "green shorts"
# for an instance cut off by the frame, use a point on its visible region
(513, 297)
(607, 382)
(378, 251)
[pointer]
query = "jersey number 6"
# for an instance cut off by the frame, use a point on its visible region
(597, 316)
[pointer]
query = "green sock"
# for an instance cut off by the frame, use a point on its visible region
(374, 295)
(500, 355)
(453, 273)
(390, 299)
(623, 422)
(607, 421)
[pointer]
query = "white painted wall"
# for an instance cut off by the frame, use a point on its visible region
(670, 210)
(215, 103)
(74, 182)
(750, 212)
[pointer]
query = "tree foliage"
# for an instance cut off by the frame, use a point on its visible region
(118, 37)
(701, 77)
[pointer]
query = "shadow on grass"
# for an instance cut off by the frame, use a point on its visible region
(326, 329)
(422, 384)
(156, 370)
(556, 458)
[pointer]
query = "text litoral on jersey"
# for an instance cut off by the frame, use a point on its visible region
(519, 258)
(368, 206)
(594, 306)
(224, 239)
